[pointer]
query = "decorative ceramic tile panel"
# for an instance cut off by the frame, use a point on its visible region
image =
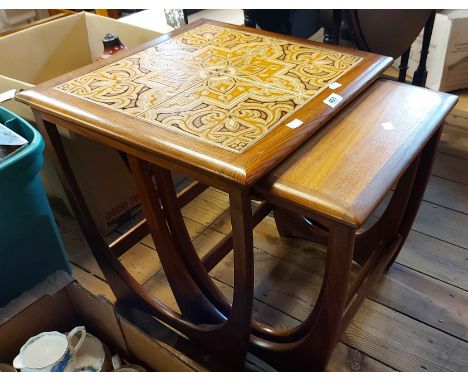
(229, 112)
(225, 87)
(295, 67)
(133, 85)
(272, 61)
(207, 35)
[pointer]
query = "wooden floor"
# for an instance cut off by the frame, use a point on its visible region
(416, 318)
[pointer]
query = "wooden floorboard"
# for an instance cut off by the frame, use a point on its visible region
(425, 299)
(451, 167)
(454, 141)
(416, 317)
(442, 223)
(435, 258)
(403, 343)
(447, 193)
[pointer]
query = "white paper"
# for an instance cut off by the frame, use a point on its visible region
(388, 126)
(332, 100)
(334, 85)
(294, 123)
(9, 94)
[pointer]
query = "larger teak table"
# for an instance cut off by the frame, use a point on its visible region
(222, 105)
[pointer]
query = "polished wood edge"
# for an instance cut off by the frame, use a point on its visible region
(78, 126)
(321, 216)
(206, 176)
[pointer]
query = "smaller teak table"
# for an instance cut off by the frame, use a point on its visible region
(329, 188)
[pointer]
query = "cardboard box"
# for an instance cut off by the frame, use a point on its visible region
(447, 62)
(59, 303)
(45, 51)
(16, 16)
(459, 115)
(152, 19)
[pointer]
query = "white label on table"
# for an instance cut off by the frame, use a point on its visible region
(332, 100)
(294, 123)
(334, 85)
(388, 126)
(9, 94)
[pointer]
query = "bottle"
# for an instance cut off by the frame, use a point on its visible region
(112, 45)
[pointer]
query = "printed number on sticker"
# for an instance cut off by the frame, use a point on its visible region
(332, 100)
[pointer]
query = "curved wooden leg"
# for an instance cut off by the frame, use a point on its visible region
(243, 250)
(311, 343)
(229, 339)
(192, 302)
(103, 254)
(123, 285)
(187, 253)
(182, 241)
(387, 226)
(292, 224)
(423, 174)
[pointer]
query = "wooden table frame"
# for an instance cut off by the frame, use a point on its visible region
(374, 249)
(226, 330)
(204, 309)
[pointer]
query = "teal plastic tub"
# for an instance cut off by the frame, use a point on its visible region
(30, 244)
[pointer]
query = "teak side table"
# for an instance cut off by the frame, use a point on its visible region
(328, 188)
(213, 102)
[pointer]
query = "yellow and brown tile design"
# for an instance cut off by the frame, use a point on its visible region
(226, 111)
(225, 87)
(132, 87)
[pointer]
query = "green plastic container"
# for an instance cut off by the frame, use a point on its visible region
(30, 244)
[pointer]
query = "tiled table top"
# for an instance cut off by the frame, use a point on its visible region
(212, 99)
(226, 87)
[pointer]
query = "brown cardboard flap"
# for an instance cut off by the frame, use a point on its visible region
(153, 353)
(45, 51)
(163, 349)
(159, 347)
(98, 315)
